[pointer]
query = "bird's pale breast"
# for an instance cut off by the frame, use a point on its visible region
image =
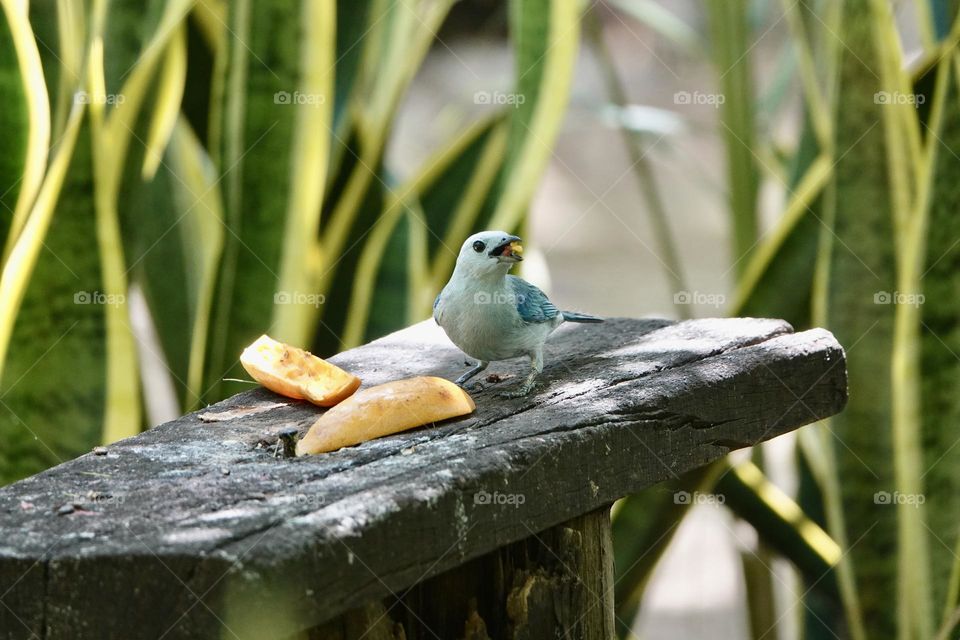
(485, 324)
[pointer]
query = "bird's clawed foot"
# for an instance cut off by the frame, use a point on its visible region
(522, 390)
(462, 380)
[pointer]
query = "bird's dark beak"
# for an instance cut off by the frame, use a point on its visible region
(509, 250)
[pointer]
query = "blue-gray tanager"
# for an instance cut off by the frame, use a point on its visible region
(490, 315)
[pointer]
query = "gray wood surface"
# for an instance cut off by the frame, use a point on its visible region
(195, 529)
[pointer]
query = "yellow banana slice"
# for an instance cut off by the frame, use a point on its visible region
(384, 409)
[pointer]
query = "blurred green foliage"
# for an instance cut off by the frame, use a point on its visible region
(226, 160)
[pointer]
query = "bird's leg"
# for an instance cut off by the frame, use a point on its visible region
(481, 365)
(536, 366)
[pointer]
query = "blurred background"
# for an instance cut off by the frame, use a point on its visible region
(178, 177)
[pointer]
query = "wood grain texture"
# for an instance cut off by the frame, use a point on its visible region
(557, 583)
(194, 528)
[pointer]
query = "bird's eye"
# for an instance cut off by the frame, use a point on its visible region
(479, 246)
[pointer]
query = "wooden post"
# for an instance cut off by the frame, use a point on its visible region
(557, 583)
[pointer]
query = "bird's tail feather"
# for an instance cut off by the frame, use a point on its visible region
(573, 316)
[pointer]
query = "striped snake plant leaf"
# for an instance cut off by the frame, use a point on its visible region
(158, 258)
(384, 278)
(309, 160)
(338, 272)
(419, 232)
(202, 236)
(173, 254)
(60, 322)
(353, 22)
(663, 22)
(14, 118)
(47, 324)
(823, 610)
(260, 103)
(938, 345)
(731, 44)
(157, 261)
(22, 87)
(399, 37)
(643, 526)
(858, 248)
(117, 87)
(67, 33)
(454, 200)
(782, 259)
(425, 220)
(546, 40)
(358, 22)
(171, 84)
(781, 523)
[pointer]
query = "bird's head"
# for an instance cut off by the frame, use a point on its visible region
(489, 253)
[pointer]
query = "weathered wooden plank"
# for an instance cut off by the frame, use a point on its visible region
(193, 529)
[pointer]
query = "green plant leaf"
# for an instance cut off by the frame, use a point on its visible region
(57, 328)
(858, 249)
(202, 234)
(661, 20)
(116, 91)
(642, 168)
(731, 48)
(309, 155)
(14, 119)
(783, 257)
(353, 22)
(643, 526)
(169, 95)
(823, 611)
(30, 112)
(442, 202)
(782, 525)
(263, 74)
(939, 342)
(546, 39)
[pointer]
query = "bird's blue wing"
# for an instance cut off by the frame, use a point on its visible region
(532, 304)
(436, 301)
